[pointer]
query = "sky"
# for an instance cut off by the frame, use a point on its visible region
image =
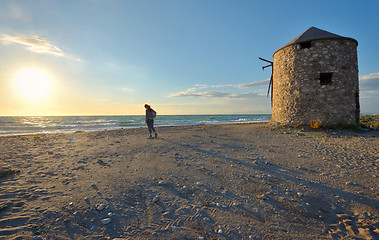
(110, 57)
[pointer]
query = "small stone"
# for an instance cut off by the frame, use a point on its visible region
(262, 197)
(174, 228)
(86, 199)
(110, 214)
(100, 207)
(206, 219)
(300, 194)
(236, 204)
(106, 221)
(199, 184)
(93, 228)
(71, 204)
(201, 238)
(219, 231)
(155, 199)
(162, 182)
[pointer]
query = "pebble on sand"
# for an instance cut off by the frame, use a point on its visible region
(100, 207)
(162, 182)
(106, 221)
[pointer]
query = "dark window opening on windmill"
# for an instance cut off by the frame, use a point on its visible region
(307, 44)
(326, 78)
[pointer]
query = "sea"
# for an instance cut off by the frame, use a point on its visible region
(52, 124)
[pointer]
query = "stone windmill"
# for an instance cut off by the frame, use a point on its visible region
(315, 78)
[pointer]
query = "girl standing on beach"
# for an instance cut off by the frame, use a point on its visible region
(150, 115)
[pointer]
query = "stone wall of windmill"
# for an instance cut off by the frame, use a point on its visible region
(316, 81)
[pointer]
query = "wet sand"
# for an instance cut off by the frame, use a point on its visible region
(243, 181)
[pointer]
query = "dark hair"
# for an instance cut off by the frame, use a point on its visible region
(147, 106)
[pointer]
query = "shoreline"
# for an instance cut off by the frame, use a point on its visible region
(125, 128)
(225, 181)
(35, 125)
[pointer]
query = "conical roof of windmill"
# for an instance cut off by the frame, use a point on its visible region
(314, 33)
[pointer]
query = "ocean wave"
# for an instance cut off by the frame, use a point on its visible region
(34, 125)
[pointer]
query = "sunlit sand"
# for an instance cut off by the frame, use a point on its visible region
(246, 181)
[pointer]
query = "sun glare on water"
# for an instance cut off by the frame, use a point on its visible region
(33, 83)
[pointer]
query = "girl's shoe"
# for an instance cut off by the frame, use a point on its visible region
(156, 135)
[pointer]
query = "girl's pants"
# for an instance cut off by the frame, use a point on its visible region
(150, 125)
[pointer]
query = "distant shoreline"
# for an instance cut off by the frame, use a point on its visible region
(40, 125)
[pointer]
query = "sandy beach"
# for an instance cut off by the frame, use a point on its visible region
(242, 181)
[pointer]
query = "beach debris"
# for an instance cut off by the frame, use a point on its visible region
(4, 205)
(155, 199)
(7, 172)
(167, 212)
(106, 221)
(100, 207)
(38, 238)
(101, 162)
(162, 182)
(262, 197)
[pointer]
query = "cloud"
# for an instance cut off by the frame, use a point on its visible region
(369, 82)
(254, 84)
(369, 76)
(193, 92)
(127, 89)
(33, 44)
(213, 94)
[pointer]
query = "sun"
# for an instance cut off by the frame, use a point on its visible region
(33, 83)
